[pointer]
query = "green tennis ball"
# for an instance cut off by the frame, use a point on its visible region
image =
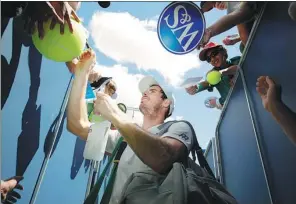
(58, 47)
(214, 77)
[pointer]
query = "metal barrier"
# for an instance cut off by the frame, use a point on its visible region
(211, 157)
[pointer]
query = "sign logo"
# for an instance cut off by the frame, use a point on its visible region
(181, 27)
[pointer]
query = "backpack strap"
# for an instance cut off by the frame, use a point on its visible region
(91, 198)
(196, 149)
(108, 191)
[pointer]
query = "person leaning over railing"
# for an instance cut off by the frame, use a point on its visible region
(270, 94)
(240, 14)
(217, 56)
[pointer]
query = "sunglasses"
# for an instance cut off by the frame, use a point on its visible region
(213, 54)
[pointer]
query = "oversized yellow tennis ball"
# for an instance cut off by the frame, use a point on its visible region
(214, 77)
(58, 47)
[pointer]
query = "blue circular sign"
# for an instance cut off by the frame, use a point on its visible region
(180, 27)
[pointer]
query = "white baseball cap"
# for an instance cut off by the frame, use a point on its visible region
(146, 82)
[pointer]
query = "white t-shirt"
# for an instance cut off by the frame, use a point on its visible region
(130, 163)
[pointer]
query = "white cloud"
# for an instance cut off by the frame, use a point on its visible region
(149, 24)
(126, 39)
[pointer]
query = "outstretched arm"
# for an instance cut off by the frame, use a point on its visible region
(201, 86)
(77, 119)
(159, 153)
(230, 70)
(235, 18)
(240, 15)
(286, 118)
(270, 94)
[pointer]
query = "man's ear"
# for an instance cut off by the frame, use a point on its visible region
(166, 103)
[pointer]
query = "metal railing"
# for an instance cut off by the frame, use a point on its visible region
(212, 146)
(208, 148)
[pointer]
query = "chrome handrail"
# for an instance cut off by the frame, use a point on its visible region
(215, 157)
(55, 134)
(208, 148)
(212, 144)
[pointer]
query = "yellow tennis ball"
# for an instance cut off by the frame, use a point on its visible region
(58, 47)
(214, 77)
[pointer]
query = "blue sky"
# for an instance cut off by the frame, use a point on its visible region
(113, 58)
(127, 48)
